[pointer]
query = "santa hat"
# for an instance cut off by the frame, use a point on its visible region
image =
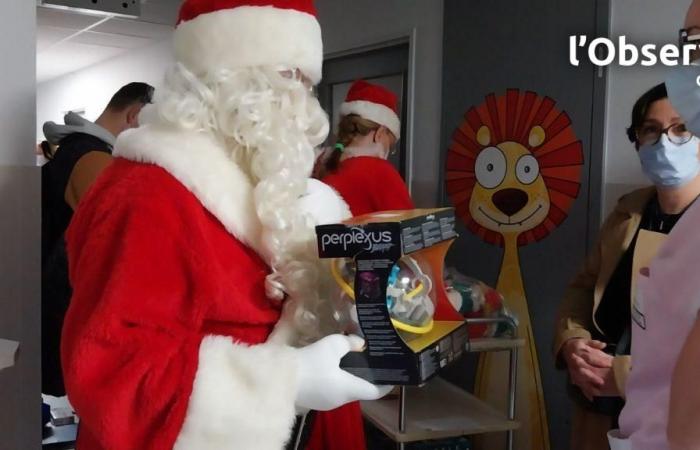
(232, 34)
(375, 103)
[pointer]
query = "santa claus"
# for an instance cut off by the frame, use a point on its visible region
(179, 246)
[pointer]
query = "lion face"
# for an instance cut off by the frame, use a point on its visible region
(514, 167)
(510, 195)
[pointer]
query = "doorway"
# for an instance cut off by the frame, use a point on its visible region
(386, 66)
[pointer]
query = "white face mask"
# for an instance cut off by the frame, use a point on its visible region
(670, 165)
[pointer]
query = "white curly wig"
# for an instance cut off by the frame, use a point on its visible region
(270, 122)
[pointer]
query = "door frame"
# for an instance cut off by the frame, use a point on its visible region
(596, 166)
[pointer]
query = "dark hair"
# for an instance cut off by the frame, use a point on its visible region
(131, 94)
(641, 109)
(349, 128)
(46, 150)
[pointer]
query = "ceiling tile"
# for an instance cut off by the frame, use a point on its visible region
(102, 42)
(71, 57)
(48, 36)
(111, 40)
(135, 28)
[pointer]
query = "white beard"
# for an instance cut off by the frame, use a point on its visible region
(271, 125)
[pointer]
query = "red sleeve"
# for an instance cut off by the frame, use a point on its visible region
(130, 340)
(138, 369)
(390, 191)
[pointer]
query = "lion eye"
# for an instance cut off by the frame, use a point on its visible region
(527, 169)
(490, 167)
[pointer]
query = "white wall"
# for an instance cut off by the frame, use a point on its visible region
(20, 202)
(352, 24)
(92, 88)
(642, 21)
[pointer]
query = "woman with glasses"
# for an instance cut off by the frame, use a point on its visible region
(367, 134)
(593, 334)
(358, 169)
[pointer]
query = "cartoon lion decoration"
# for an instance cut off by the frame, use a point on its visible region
(513, 171)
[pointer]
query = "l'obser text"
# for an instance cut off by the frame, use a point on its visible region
(603, 52)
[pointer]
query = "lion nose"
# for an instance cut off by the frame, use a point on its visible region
(510, 201)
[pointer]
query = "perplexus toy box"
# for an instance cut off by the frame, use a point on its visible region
(388, 268)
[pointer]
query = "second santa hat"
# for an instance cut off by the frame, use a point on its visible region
(375, 103)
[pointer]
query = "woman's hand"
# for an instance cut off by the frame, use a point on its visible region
(589, 367)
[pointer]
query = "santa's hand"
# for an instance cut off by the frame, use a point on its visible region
(323, 385)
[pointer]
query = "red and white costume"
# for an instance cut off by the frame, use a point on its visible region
(159, 344)
(365, 180)
(164, 345)
(369, 184)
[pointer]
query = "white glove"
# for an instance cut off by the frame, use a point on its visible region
(323, 385)
(323, 204)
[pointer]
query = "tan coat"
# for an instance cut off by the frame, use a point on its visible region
(576, 318)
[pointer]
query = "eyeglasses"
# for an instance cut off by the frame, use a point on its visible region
(651, 134)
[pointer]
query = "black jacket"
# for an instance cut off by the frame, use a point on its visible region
(56, 215)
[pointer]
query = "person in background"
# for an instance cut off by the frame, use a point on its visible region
(592, 339)
(663, 400)
(358, 169)
(84, 150)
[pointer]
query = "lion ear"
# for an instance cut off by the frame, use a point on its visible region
(483, 136)
(537, 136)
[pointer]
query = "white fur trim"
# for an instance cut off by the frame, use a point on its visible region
(250, 36)
(324, 204)
(375, 112)
(202, 165)
(242, 397)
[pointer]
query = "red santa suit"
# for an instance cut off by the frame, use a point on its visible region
(365, 180)
(163, 344)
(369, 184)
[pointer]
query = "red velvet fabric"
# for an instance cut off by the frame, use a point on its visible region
(361, 90)
(153, 272)
(369, 185)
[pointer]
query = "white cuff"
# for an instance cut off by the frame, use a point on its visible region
(242, 397)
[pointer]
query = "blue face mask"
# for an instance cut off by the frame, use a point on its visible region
(670, 165)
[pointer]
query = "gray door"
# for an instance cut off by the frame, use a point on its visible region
(493, 46)
(387, 66)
